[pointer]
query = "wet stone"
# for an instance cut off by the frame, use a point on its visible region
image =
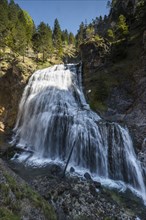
(87, 176)
(55, 169)
(97, 184)
(72, 170)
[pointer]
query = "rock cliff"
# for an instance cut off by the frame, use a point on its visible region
(115, 85)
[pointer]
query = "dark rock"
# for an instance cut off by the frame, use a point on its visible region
(55, 169)
(117, 89)
(74, 193)
(97, 184)
(87, 176)
(72, 170)
(92, 189)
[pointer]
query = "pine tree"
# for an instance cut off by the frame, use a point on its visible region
(36, 43)
(71, 38)
(12, 39)
(80, 35)
(42, 40)
(65, 37)
(90, 32)
(57, 38)
(29, 26)
(3, 22)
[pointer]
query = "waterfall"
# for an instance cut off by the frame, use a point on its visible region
(54, 118)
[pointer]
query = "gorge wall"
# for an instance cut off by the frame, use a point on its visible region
(14, 76)
(114, 78)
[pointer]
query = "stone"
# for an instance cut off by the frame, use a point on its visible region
(97, 184)
(72, 170)
(87, 176)
(55, 169)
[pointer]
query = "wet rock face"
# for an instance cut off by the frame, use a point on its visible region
(117, 90)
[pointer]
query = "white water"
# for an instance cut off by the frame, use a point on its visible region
(54, 118)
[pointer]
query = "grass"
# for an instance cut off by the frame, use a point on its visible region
(6, 214)
(23, 191)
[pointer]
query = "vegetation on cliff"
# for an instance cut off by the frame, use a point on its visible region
(113, 51)
(17, 199)
(114, 81)
(20, 37)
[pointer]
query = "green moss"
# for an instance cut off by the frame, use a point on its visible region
(6, 214)
(24, 191)
(39, 202)
(81, 217)
(4, 189)
(97, 105)
(12, 184)
(42, 65)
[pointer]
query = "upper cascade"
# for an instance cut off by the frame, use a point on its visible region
(54, 118)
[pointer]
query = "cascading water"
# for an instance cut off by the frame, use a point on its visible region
(54, 118)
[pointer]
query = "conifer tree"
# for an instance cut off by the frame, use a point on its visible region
(71, 38)
(3, 22)
(29, 26)
(42, 40)
(80, 35)
(57, 38)
(65, 37)
(36, 43)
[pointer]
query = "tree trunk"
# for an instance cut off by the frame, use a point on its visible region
(43, 56)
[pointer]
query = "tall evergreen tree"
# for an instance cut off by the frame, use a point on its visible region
(36, 43)
(65, 37)
(42, 40)
(71, 38)
(57, 38)
(28, 23)
(80, 35)
(3, 22)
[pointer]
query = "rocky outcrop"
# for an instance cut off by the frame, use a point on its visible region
(19, 201)
(116, 86)
(12, 82)
(76, 198)
(11, 87)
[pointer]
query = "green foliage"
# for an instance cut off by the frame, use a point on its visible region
(22, 191)
(57, 38)
(29, 26)
(71, 38)
(89, 32)
(3, 22)
(6, 214)
(111, 34)
(141, 11)
(16, 27)
(80, 35)
(42, 40)
(120, 31)
(45, 34)
(65, 37)
(19, 34)
(98, 38)
(122, 27)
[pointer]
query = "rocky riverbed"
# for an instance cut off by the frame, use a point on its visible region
(80, 198)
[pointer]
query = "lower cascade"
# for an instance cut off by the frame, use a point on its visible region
(54, 120)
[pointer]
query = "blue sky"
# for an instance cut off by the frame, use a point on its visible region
(70, 13)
